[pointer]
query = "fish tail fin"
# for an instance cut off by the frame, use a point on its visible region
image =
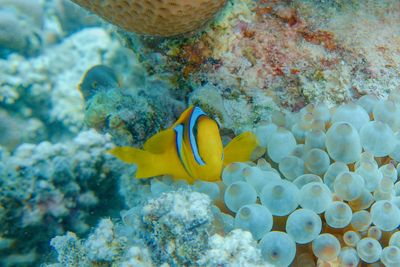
(148, 164)
(241, 148)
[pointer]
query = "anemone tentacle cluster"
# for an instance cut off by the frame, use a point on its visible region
(327, 190)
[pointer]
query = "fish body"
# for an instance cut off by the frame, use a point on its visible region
(190, 149)
(96, 79)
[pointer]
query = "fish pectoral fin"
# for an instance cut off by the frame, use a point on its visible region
(160, 142)
(148, 164)
(240, 149)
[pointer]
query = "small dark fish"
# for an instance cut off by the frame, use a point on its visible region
(98, 78)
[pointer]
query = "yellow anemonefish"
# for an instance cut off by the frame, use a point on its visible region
(191, 149)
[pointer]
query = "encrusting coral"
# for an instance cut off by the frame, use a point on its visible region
(47, 189)
(163, 18)
(295, 52)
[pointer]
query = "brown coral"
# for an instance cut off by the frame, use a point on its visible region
(160, 18)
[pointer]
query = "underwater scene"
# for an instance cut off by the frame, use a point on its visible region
(226, 133)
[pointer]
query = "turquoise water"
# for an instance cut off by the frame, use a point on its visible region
(73, 86)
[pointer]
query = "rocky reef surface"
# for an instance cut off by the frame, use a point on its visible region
(289, 53)
(177, 227)
(72, 86)
(50, 188)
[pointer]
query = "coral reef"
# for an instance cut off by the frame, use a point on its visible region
(260, 56)
(176, 227)
(165, 18)
(70, 250)
(50, 188)
(326, 190)
(68, 18)
(341, 200)
(14, 130)
(238, 248)
(298, 57)
(293, 52)
(21, 22)
(130, 114)
(236, 114)
(43, 91)
(29, 27)
(103, 245)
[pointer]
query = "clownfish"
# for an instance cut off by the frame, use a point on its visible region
(190, 149)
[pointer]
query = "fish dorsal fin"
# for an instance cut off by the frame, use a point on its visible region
(184, 116)
(160, 142)
(240, 148)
